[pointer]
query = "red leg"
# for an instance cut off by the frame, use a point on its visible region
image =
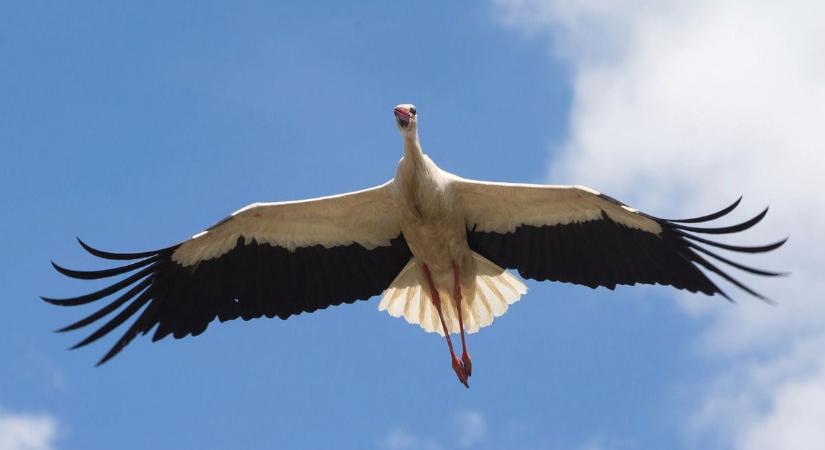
(457, 366)
(465, 355)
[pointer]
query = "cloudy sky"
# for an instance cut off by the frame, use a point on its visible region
(134, 126)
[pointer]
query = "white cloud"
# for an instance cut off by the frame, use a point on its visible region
(27, 431)
(472, 428)
(679, 107)
(777, 403)
(795, 420)
(401, 439)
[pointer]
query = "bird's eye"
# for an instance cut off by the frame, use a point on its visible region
(412, 111)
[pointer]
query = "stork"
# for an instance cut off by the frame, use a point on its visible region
(437, 245)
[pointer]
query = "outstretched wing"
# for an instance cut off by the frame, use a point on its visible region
(576, 235)
(268, 259)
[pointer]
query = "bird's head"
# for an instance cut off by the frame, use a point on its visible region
(406, 118)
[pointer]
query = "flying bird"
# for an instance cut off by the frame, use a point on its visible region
(436, 245)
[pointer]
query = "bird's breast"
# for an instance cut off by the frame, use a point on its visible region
(433, 225)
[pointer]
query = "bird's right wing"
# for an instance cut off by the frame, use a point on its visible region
(574, 234)
(268, 259)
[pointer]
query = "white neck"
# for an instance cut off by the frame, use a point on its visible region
(412, 147)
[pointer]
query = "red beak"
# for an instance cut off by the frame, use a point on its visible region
(403, 111)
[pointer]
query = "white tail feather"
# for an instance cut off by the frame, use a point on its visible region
(409, 297)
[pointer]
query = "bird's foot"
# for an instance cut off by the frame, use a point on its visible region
(458, 367)
(467, 364)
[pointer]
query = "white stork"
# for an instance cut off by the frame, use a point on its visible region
(437, 246)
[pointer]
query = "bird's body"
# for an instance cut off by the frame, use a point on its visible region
(435, 244)
(431, 218)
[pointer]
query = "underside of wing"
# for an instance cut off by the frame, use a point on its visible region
(273, 260)
(576, 235)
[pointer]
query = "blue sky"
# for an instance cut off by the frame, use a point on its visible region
(135, 125)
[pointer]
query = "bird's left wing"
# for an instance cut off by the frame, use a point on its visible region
(574, 234)
(268, 259)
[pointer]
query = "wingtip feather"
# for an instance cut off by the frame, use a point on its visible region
(52, 301)
(724, 230)
(708, 217)
(105, 358)
(725, 296)
(123, 256)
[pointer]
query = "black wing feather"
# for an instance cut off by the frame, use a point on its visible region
(249, 281)
(712, 216)
(606, 253)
